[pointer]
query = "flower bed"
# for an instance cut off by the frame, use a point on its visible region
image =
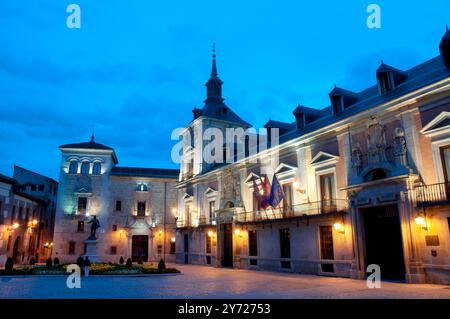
(95, 269)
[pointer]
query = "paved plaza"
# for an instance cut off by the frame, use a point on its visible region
(207, 282)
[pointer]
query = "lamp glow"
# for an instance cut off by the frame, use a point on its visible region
(420, 221)
(172, 239)
(237, 232)
(15, 226)
(210, 233)
(338, 227)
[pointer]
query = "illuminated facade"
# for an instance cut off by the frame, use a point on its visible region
(135, 207)
(22, 224)
(366, 181)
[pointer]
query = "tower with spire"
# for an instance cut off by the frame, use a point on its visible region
(214, 84)
(214, 114)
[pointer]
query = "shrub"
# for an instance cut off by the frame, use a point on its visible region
(56, 261)
(80, 262)
(121, 261)
(32, 261)
(48, 263)
(161, 265)
(9, 264)
(129, 263)
(140, 261)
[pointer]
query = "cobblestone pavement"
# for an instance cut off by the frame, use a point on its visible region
(207, 282)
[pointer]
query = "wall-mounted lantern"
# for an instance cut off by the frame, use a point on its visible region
(421, 221)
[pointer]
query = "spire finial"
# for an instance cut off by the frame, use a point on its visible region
(92, 137)
(214, 67)
(446, 27)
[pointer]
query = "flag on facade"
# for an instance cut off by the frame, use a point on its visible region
(276, 193)
(266, 192)
(257, 192)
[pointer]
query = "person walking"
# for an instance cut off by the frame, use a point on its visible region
(87, 265)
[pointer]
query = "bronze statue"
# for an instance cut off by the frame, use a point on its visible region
(95, 224)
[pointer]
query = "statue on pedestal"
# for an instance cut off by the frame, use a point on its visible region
(95, 224)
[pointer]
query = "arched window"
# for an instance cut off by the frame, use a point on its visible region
(229, 205)
(97, 168)
(73, 167)
(85, 168)
(376, 175)
(142, 187)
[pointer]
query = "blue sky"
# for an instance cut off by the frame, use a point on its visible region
(136, 69)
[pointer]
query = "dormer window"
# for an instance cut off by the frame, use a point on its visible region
(300, 120)
(142, 187)
(341, 99)
(337, 104)
(85, 168)
(96, 168)
(73, 167)
(385, 82)
(389, 78)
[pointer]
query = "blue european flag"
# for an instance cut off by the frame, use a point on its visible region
(276, 193)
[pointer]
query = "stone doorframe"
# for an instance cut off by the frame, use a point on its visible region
(406, 210)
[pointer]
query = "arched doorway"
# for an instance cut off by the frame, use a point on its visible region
(15, 253)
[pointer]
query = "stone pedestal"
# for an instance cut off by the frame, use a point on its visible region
(91, 250)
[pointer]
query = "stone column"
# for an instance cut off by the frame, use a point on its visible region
(357, 270)
(413, 263)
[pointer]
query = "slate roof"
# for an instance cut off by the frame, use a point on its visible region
(91, 145)
(213, 109)
(419, 76)
(12, 181)
(144, 172)
(7, 179)
(214, 106)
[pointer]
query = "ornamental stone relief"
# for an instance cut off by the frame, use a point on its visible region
(230, 190)
(377, 150)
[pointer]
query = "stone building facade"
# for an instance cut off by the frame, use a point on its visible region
(135, 207)
(46, 189)
(366, 181)
(21, 224)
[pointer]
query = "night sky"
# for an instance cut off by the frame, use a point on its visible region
(136, 69)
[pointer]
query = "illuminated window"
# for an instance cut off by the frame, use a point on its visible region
(82, 204)
(142, 187)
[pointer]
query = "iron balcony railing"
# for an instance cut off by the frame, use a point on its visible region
(204, 221)
(432, 195)
(306, 209)
(195, 222)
